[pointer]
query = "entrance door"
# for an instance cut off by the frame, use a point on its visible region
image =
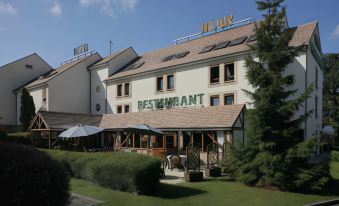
(197, 139)
(171, 141)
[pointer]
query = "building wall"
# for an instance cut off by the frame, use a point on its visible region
(98, 75)
(101, 73)
(69, 91)
(12, 76)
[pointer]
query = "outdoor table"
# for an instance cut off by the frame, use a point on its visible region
(183, 159)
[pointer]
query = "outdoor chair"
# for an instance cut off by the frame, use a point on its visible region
(164, 160)
(175, 162)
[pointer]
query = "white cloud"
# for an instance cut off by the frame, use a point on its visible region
(7, 8)
(56, 9)
(111, 7)
(335, 33)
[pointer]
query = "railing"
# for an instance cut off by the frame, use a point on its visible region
(78, 57)
(198, 35)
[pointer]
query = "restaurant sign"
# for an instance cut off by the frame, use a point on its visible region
(171, 102)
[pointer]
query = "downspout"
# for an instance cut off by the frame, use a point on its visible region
(106, 98)
(90, 91)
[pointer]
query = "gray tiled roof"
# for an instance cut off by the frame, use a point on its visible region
(301, 35)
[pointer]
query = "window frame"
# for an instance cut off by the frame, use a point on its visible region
(214, 96)
(129, 108)
(234, 73)
(117, 109)
(117, 90)
(228, 95)
(210, 74)
(156, 84)
(167, 88)
(129, 89)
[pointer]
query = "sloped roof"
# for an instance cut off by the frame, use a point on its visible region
(55, 72)
(60, 120)
(108, 58)
(30, 55)
(153, 60)
(180, 118)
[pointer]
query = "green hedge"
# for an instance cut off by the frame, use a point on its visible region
(335, 156)
(116, 170)
(19, 138)
(30, 177)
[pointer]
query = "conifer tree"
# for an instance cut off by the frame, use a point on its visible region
(274, 155)
(27, 109)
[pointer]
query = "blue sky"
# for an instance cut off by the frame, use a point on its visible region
(52, 28)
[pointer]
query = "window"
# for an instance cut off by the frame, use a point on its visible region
(97, 107)
(229, 72)
(316, 78)
(170, 82)
(119, 90)
(214, 75)
(160, 85)
(290, 80)
(229, 99)
(316, 106)
(126, 108)
(214, 100)
(126, 89)
(119, 109)
(28, 66)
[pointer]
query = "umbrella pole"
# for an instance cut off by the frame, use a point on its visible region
(148, 136)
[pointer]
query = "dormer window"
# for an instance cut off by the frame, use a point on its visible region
(28, 66)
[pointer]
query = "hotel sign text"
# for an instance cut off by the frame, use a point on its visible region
(170, 102)
(221, 23)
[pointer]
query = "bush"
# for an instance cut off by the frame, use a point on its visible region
(335, 156)
(123, 171)
(15, 138)
(30, 177)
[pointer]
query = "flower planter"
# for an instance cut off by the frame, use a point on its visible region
(213, 172)
(194, 176)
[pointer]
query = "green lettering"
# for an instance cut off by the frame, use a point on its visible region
(192, 99)
(201, 99)
(139, 105)
(183, 101)
(150, 102)
(176, 101)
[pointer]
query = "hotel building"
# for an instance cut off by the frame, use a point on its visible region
(192, 90)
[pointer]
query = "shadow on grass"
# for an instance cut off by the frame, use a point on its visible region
(168, 191)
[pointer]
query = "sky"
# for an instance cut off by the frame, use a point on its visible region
(53, 28)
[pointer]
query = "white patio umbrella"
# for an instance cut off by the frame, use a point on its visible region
(80, 131)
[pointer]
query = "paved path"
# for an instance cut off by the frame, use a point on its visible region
(80, 200)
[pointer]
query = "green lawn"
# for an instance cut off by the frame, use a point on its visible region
(209, 192)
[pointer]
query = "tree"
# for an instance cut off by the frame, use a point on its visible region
(331, 92)
(27, 109)
(275, 154)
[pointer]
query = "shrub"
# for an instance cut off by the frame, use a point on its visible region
(123, 171)
(15, 138)
(335, 156)
(30, 177)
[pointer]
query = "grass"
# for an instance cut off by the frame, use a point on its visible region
(210, 192)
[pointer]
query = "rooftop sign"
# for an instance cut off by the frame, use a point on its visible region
(221, 23)
(81, 49)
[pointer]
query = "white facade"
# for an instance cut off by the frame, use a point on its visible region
(66, 92)
(193, 79)
(12, 76)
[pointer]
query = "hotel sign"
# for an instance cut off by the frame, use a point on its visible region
(221, 23)
(171, 102)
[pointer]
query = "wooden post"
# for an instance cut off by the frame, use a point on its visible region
(133, 141)
(49, 139)
(148, 139)
(202, 141)
(163, 141)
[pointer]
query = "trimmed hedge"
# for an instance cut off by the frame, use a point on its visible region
(335, 156)
(13, 138)
(123, 171)
(30, 177)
